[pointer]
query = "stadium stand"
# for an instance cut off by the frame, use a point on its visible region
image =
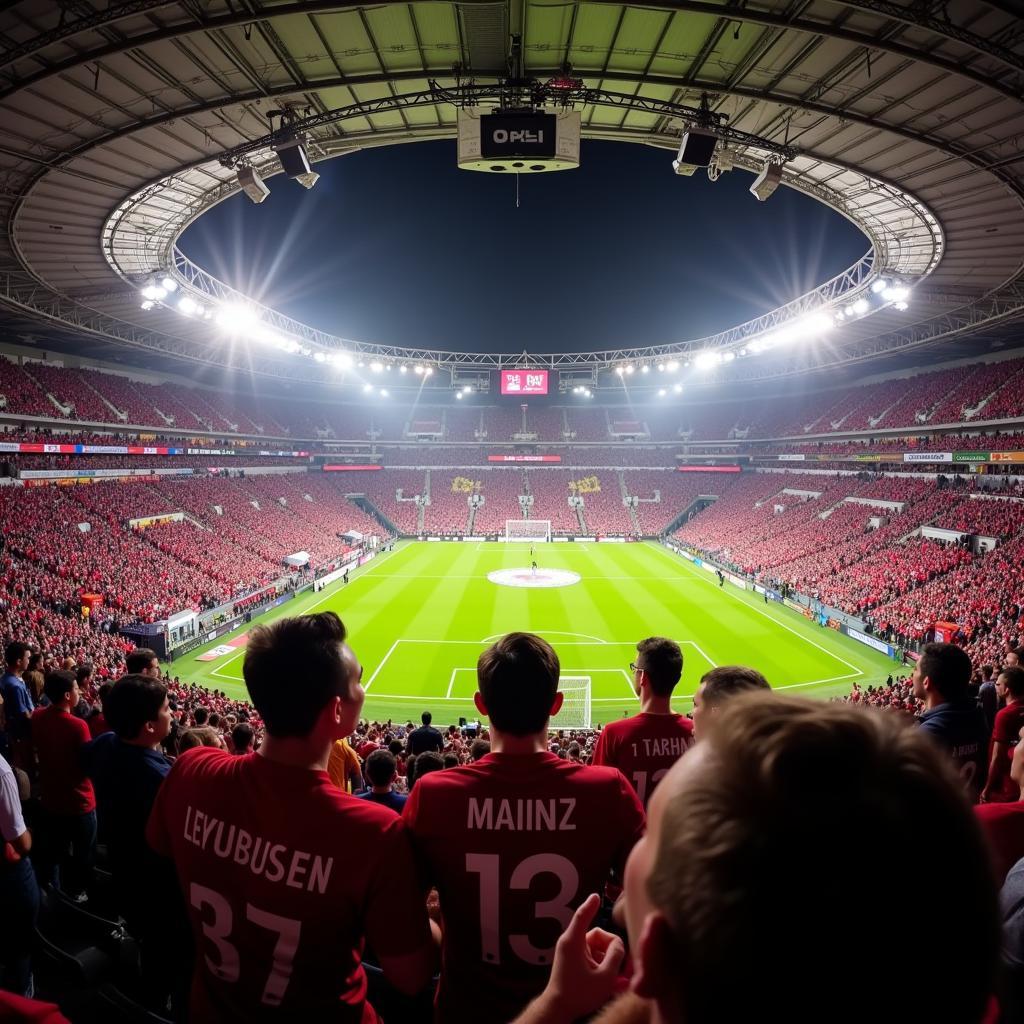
(501, 490)
(550, 491)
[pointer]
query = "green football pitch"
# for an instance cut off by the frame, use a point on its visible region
(419, 616)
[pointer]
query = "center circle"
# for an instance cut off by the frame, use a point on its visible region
(527, 577)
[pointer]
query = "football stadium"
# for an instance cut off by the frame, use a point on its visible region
(504, 503)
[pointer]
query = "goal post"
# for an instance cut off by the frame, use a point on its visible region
(575, 710)
(537, 530)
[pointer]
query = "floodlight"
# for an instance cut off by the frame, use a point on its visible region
(168, 284)
(678, 389)
(320, 357)
(661, 367)
(728, 357)
(879, 285)
(630, 368)
(706, 360)
(418, 370)
(367, 388)
(662, 392)
(377, 367)
(645, 368)
(427, 371)
(767, 181)
(458, 395)
(403, 368)
(896, 293)
(861, 306)
(187, 305)
(902, 306)
(673, 366)
(383, 392)
(295, 162)
(148, 304)
(251, 184)
(620, 370)
(154, 293)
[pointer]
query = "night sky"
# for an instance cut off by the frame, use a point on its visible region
(396, 245)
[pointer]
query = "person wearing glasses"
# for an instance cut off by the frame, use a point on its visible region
(646, 746)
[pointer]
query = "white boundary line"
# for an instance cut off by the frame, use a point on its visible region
(376, 671)
(701, 652)
(753, 607)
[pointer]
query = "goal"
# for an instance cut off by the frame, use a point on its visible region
(575, 710)
(528, 529)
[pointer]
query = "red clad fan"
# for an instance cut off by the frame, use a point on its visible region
(284, 874)
(645, 746)
(516, 841)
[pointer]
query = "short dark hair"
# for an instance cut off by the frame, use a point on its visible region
(139, 660)
(1014, 680)
(948, 667)
(426, 718)
(104, 691)
(133, 701)
(726, 681)
(427, 762)
(662, 663)
(451, 760)
(15, 651)
(242, 736)
(380, 767)
(518, 680)
(200, 715)
(293, 668)
(478, 749)
(57, 684)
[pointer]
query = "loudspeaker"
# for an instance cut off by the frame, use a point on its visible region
(767, 181)
(697, 147)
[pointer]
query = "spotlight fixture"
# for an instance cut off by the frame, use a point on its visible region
(367, 388)
(427, 371)
(147, 304)
(458, 395)
(187, 305)
(377, 367)
(418, 370)
(767, 181)
(630, 368)
(383, 392)
(251, 183)
(403, 368)
(154, 293)
(168, 284)
(678, 389)
(896, 293)
(861, 306)
(295, 162)
(645, 368)
(661, 367)
(879, 285)
(902, 306)
(673, 366)
(620, 370)
(662, 392)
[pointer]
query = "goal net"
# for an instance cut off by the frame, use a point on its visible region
(528, 529)
(575, 710)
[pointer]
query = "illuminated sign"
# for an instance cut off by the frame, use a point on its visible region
(524, 382)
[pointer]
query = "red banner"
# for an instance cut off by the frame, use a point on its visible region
(524, 458)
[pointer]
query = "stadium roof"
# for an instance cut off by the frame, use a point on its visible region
(908, 118)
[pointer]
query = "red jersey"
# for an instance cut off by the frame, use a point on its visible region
(1003, 825)
(98, 725)
(284, 875)
(514, 844)
(1006, 729)
(58, 738)
(644, 748)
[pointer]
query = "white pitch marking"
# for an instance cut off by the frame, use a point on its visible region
(376, 671)
(771, 618)
(700, 651)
